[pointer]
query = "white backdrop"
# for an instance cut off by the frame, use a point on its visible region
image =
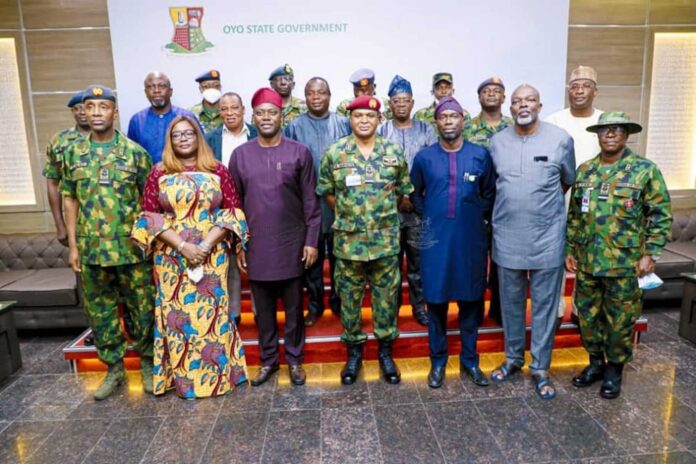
(522, 42)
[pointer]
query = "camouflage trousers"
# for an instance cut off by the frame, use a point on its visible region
(384, 277)
(608, 307)
(103, 289)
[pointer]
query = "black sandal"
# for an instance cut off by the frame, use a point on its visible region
(504, 372)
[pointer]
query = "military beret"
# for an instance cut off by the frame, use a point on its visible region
(266, 95)
(98, 92)
(285, 70)
(362, 77)
(75, 99)
(442, 76)
(448, 103)
(399, 85)
(615, 118)
(364, 102)
(495, 80)
(212, 75)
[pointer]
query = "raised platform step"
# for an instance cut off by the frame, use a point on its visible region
(323, 340)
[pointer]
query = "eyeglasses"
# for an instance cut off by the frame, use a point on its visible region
(618, 130)
(183, 135)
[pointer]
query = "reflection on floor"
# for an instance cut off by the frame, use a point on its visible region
(47, 415)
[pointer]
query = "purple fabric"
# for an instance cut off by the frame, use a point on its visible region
(276, 186)
(452, 187)
(448, 103)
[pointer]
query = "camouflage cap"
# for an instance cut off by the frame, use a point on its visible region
(442, 76)
(75, 99)
(285, 70)
(616, 118)
(98, 92)
(583, 72)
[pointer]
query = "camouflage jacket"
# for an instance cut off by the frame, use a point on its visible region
(293, 110)
(617, 214)
(427, 114)
(209, 119)
(108, 188)
(366, 190)
(478, 131)
(386, 111)
(53, 169)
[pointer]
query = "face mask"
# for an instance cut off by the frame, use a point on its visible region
(211, 95)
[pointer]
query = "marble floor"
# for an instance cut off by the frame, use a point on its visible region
(47, 415)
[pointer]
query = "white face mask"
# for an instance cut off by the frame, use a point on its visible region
(211, 95)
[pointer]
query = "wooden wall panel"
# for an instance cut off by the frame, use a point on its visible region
(43, 14)
(633, 12)
(672, 12)
(51, 116)
(616, 53)
(69, 60)
(9, 14)
(620, 99)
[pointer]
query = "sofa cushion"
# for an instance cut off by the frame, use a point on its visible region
(671, 265)
(9, 277)
(686, 249)
(43, 287)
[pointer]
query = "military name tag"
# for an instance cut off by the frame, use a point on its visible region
(604, 191)
(369, 174)
(390, 161)
(353, 180)
(104, 178)
(344, 165)
(585, 203)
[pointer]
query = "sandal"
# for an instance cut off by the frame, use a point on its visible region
(543, 386)
(504, 372)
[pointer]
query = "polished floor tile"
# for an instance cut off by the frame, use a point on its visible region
(125, 441)
(349, 435)
(237, 438)
(292, 436)
(406, 435)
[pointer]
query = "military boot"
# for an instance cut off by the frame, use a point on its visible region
(350, 370)
(146, 373)
(115, 376)
(611, 386)
(389, 369)
(591, 373)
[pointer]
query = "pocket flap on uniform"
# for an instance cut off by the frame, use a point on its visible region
(625, 192)
(625, 240)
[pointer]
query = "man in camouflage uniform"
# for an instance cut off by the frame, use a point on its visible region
(103, 180)
(208, 110)
(282, 80)
(363, 177)
(618, 222)
(363, 81)
(443, 86)
(53, 169)
(490, 121)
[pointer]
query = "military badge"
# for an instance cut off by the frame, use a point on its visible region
(373, 102)
(390, 161)
(288, 69)
(364, 82)
(214, 74)
(97, 91)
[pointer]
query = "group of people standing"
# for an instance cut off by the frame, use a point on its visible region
(164, 220)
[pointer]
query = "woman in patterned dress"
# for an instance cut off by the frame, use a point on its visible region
(190, 206)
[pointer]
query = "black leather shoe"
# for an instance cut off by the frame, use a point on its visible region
(350, 370)
(390, 371)
(421, 316)
(297, 375)
(264, 374)
(476, 375)
(312, 319)
(436, 376)
(592, 373)
(611, 386)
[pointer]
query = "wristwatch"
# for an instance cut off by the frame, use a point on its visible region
(655, 258)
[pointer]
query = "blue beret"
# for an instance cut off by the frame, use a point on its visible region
(362, 77)
(75, 99)
(285, 70)
(98, 92)
(399, 85)
(491, 81)
(212, 75)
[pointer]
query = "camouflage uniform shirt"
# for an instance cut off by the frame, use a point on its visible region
(366, 190)
(107, 183)
(386, 111)
(53, 169)
(293, 110)
(209, 119)
(428, 115)
(478, 131)
(617, 214)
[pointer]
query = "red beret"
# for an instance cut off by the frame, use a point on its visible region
(266, 95)
(364, 102)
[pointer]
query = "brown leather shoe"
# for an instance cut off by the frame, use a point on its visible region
(297, 375)
(264, 374)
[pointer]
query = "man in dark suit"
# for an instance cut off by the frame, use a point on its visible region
(223, 140)
(234, 131)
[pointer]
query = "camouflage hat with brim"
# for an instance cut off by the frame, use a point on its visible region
(616, 118)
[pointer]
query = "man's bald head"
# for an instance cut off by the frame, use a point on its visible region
(527, 87)
(525, 105)
(158, 91)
